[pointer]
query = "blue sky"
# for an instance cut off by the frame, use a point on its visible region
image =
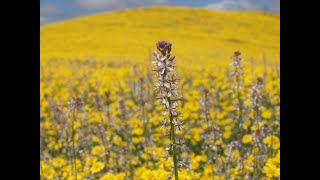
(57, 10)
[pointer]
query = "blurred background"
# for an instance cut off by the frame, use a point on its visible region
(57, 10)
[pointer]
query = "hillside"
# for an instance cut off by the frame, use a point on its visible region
(198, 35)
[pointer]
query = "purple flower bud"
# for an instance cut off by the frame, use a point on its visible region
(260, 80)
(164, 47)
(237, 53)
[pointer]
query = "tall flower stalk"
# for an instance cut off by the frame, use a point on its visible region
(208, 132)
(142, 99)
(237, 72)
(256, 98)
(166, 87)
(74, 105)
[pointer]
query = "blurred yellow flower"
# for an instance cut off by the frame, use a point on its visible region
(97, 167)
(247, 139)
(272, 142)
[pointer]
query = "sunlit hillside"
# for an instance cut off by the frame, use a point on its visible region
(197, 34)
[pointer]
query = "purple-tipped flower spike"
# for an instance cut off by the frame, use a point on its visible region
(168, 96)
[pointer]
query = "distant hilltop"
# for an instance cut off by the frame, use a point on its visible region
(197, 34)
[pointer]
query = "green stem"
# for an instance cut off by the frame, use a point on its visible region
(207, 134)
(173, 140)
(257, 121)
(73, 146)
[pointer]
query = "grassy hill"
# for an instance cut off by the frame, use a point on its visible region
(198, 35)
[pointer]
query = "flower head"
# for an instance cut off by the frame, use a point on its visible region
(247, 139)
(271, 171)
(98, 166)
(164, 47)
(260, 80)
(75, 103)
(237, 53)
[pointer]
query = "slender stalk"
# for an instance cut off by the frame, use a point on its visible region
(264, 58)
(211, 158)
(238, 73)
(257, 116)
(172, 137)
(173, 140)
(104, 144)
(206, 109)
(103, 125)
(239, 98)
(73, 145)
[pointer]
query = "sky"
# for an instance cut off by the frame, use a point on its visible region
(58, 10)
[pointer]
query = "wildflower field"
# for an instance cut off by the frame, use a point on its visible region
(117, 103)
